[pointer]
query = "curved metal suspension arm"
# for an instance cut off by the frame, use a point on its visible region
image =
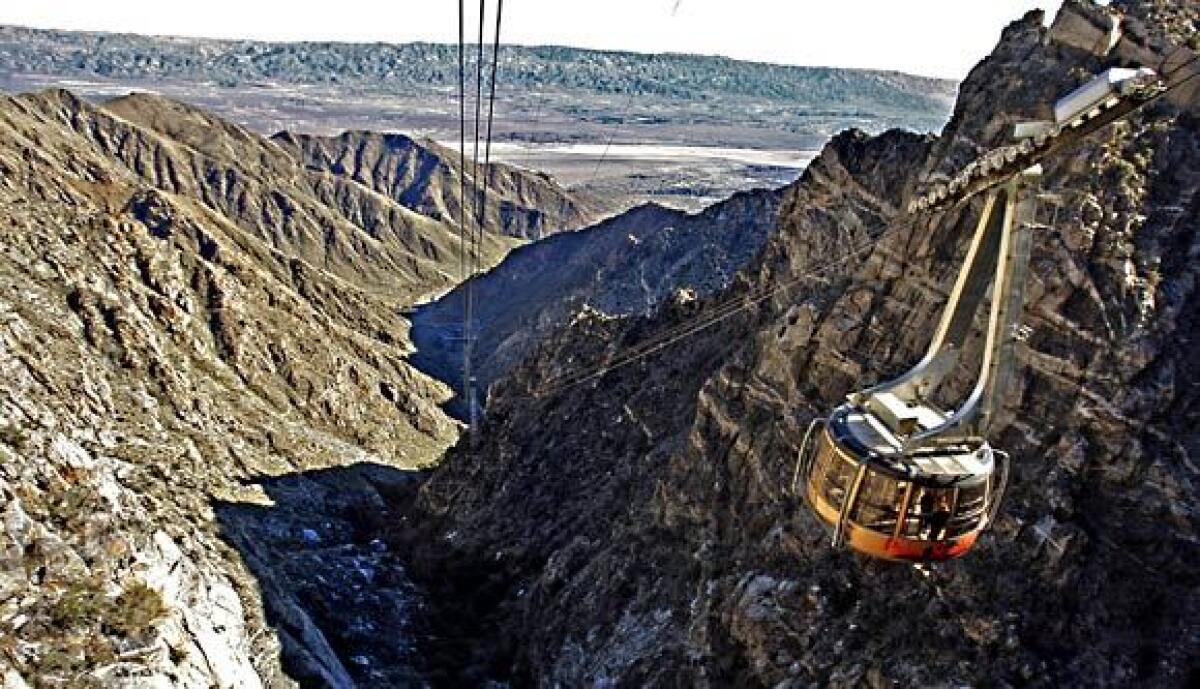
(996, 261)
(1011, 262)
(950, 336)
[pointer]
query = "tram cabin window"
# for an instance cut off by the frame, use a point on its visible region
(972, 502)
(929, 513)
(837, 475)
(879, 501)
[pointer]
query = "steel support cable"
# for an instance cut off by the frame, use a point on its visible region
(1183, 65)
(487, 142)
(1167, 58)
(616, 126)
(721, 310)
(478, 188)
(464, 249)
(661, 344)
(474, 233)
(612, 134)
(481, 188)
(724, 312)
(1182, 81)
(1172, 86)
(725, 309)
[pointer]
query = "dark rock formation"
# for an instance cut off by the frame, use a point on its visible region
(345, 612)
(638, 530)
(625, 265)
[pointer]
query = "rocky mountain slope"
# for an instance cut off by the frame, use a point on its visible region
(426, 178)
(187, 310)
(202, 329)
(639, 530)
(628, 264)
(208, 416)
(165, 341)
(325, 219)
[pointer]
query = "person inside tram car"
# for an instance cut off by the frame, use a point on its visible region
(925, 506)
(935, 515)
(939, 519)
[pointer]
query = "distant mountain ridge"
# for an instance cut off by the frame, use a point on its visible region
(549, 100)
(818, 92)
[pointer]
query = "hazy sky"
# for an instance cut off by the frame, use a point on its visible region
(932, 37)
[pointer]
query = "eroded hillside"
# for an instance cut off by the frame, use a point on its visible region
(639, 530)
(203, 329)
(427, 178)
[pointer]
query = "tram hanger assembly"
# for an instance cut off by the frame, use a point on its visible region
(890, 472)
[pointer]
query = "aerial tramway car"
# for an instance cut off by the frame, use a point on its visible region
(893, 474)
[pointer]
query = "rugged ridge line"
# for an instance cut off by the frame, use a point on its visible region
(418, 65)
(331, 221)
(425, 177)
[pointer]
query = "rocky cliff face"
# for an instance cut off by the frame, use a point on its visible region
(426, 178)
(629, 264)
(184, 313)
(639, 531)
